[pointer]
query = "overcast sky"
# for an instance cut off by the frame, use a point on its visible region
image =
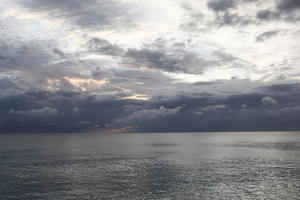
(140, 65)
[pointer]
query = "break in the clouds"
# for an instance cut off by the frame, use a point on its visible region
(127, 65)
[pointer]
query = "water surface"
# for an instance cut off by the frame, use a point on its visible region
(256, 165)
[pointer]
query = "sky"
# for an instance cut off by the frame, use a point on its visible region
(149, 66)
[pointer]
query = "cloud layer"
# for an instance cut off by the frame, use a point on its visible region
(100, 65)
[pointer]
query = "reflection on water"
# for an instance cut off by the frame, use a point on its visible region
(150, 166)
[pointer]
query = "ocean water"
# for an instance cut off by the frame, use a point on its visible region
(253, 165)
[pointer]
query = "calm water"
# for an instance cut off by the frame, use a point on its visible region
(258, 165)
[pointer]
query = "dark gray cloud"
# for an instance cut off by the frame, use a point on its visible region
(290, 88)
(230, 13)
(40, 112)
(176, 61)
(28, 65)
(86, 14)
(281, 6)
(233, 113)
(149, 114)
(285, 10)
(36, 60)
(176, 57)
(289, 10)
(201, 83)
(72, 112)
(209, 108)
(232, 19)
(8, 87)
(224, 5)
(288, 5)
(104, 47)
(275, 15)
(22, 56)
(61, 111)
(267, 15)
(58, 52)
(38, 67)
(221, 5)
(266, 35)
(214, 107)
(226, 15)
(42, 66)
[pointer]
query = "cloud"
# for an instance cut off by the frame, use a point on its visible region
(235, 13)
(41, 112)
(73, 112)
(58, 111)
(232, 19)
(210, 108)
(290, 88)
(174, 61)
(43, 66)
(266, 35)
(170, 58)
(220, 5)
(32, 65)
(268, 100)
(198, 113)
(164, 55)
(90, 65)
(287, 5)
(267, 15)
(104, 47)
(58, 52)
(23, 56)
(149, 114)
(214, 107)
(77, 111)
(227, 13)
(201, 83)
(255, 116)
(224, 5)
(292, 109)
(285, 10)
(8, 87)
(98, 14)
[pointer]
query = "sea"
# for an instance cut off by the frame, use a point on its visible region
(156, 166)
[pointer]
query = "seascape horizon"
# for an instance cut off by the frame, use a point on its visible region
(233, 165)
(149, 100)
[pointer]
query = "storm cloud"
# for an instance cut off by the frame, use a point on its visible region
(48, 112)
(101, 65)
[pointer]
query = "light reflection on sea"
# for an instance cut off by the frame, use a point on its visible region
(256, 165)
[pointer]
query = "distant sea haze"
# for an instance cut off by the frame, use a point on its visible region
(216, 165)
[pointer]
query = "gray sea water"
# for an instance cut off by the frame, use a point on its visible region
(254, 165)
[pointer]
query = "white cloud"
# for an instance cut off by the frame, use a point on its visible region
(268, 100)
